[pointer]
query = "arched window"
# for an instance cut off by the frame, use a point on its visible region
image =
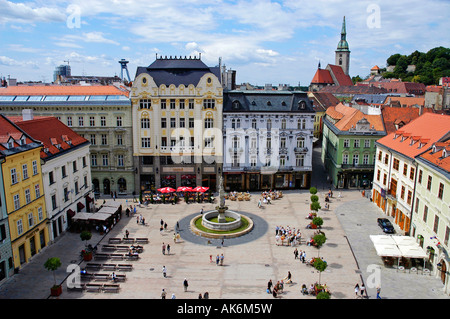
(209, 123)
(145, 122)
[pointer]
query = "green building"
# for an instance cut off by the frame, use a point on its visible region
(348, 146)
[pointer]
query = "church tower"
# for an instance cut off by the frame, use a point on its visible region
(342, 51)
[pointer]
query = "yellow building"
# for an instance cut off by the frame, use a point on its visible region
(22, 181)
(321, 102)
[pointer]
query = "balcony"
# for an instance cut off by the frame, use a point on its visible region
(300, 149)
(235, 150)
(358, 166)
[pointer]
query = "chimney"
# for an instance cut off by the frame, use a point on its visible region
(27, 114)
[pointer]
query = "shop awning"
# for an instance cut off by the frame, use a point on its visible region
(82, 216)
(107, 210)
(89, 199)
(80, 205)
(70, 213)
(397, 246)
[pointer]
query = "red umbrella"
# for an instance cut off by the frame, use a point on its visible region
(200, 189)
(166, 190)
(184, 189)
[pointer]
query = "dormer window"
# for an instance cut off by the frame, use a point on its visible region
(11, 143)
(301, 105)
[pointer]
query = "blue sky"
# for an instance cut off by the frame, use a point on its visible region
(264, 41)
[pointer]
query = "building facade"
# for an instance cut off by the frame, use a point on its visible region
(268, 138)
(6, 260)
(177, 116)
(431, 217)
(348, 146)
(101, 114)
(22, 179)
(66, 170)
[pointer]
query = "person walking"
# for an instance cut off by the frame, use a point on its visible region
(269, 286)
(295, 253)
(217, 260)
(378, 292)
(185, 284)
(168, 249)
(163, 294)
(362, 289)
(164, 271)
(173, 296)
(356, 290)
(221, 259)
(163, 248)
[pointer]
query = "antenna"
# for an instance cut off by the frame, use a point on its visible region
(68, 62)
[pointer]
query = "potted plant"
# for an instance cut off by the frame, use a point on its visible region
(313, 190)
(315, 206)
(319, 240)
(320, 266)
(87, 254)
(52, 264)
(317, 221)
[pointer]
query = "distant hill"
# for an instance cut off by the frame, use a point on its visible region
(430, 66)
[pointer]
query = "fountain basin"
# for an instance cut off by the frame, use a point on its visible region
(227, 226)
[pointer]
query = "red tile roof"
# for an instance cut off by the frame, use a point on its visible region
(322, 76)
(348, 117)
(8, 131)
(341, 78)
(439, 155)
(50, 131)
(405, 101)
(425, 130)
(62, 90)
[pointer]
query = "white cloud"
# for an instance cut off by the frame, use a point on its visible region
(90, 37)
(27, 13)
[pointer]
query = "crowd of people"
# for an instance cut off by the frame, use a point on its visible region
(288, 235)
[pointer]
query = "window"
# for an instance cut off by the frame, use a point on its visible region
(120, 161)
(105, 159)
(378, 175)
(300, 142)
(102, 121)
(386, 159)
(299, 160)
(80, 121)
(93, 160)
(419, 179)
(384, 178)
(380, 155)
(344, 158)
(409, 198)
(346, 143)
(269, 124)
(35, 167)
(402, 194)
(163, 104)
(209, 104)
(163, 123)
(191, 123)
(355, 159)
(54, 202)
(367, 143)
(19, 227)
(253, 161)
(104, 139)
(145, 142)
(119, 139)
(411, 173)
(37, 190)
(356, 143)
(74, 166)
(145, 104)
(283, 124)
(119, 121)
(91, 121)
(30, 220)
(83, 160)
(51, 179)
(283, 142)
(76, 187)
(16, 199)
(282, 160)
(191, 104)
(405, 169)
(436, 224)
(24, 171)
(182, 122)
(366, 159)
(254, 124)
(145, 123)
(209, 142)
(40, 214)
(163, 141)
(301, 124)
(14, 179)
(209, 123)
(93, 141)
(69, 121)
(425, 213)
(172, 104)
(173, 122)
(27, 196)
(66, 194)
(182, 103)
(441, 191)
(396, 164)
(430, 179)
(253, 143)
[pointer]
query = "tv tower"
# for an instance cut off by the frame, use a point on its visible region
(123, 65)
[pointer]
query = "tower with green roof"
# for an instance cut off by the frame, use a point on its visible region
(342, 51)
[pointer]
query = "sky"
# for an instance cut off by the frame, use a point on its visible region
(276, 42)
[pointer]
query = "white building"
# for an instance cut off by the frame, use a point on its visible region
(268, 138)
(66, 171)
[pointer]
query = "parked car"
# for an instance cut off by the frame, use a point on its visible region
(386, 225)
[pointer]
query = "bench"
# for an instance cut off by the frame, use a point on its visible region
(128, 240)
(116, 256)
(122, 248)
(108, 248)
(81, 287)
(101, 256)
(131, 257)
(114, 240)
(141, 240)
(86, 276)
(109, 267)
(111, 287)
(124, 267)
(93, 266)
(94, 287)
(101, 277)
(121, 277)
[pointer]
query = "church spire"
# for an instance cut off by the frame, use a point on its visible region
(343, 44)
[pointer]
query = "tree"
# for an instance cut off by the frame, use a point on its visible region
(315, 206)
(318, 221)
(53, 264)
(313, 190)
(392, 60)
(85, 235)
(320, 266)
(319, 239)
(314, 198)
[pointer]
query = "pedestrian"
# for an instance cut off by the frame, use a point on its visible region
(134, 209)
(161, 222)
(210, 259)
(178, 226)
(173, 296)
(163, 249)
(221, 259)
(200, 296)
(127, 233)
(164, 271)
(206, 295)
(303, 256)
(174, 238)
(201, 211)
(295, 253)
(185, 284)
(217, 260)
(165, 226)
(363, 288)
(222, 242)
(288, 278)
(378, 293)
(356, 290)
(163, 294)
(168, 249)
(269, 286)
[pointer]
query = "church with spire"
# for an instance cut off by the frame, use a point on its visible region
(335, 74)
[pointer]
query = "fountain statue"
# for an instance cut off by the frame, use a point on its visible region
(221, 208)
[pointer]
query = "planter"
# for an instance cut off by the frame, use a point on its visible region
(313, 226)
(87, 256)
(56, 291)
